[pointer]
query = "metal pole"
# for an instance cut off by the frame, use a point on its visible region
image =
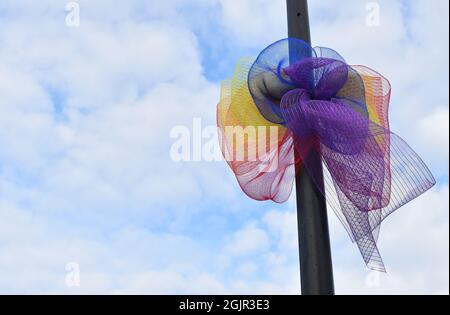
(316, 270)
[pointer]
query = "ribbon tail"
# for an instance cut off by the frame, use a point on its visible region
(372, 171)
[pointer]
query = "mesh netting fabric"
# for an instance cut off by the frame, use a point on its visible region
(293, 99)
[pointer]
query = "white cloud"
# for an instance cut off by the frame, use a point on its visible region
(283, 227)
(120, 90)
(434, 131)
(101, 162)
(248, 241)
(127, 261)
(254, 22)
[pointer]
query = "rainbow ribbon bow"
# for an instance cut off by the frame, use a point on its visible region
(312, 102)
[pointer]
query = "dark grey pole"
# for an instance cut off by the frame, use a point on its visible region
(316, 270)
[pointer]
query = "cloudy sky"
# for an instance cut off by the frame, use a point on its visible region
(87, 182)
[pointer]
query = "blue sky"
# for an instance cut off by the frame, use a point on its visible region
(85, 170)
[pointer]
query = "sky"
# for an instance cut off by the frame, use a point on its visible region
(91, 201)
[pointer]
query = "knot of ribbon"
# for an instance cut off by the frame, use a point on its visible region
(320, 105)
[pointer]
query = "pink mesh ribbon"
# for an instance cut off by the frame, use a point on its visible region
(294, 99)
